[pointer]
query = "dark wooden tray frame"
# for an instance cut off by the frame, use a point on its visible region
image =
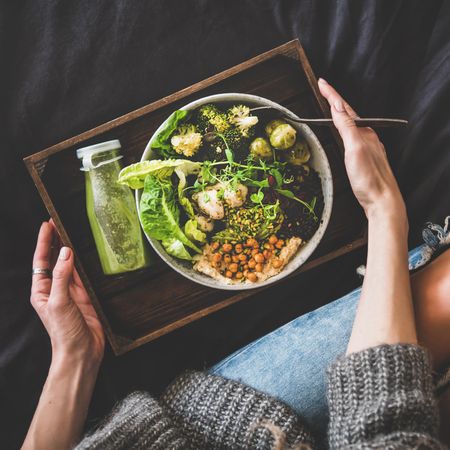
(127, 305)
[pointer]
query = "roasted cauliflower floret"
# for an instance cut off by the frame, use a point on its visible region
(186, 140)
(239, 115)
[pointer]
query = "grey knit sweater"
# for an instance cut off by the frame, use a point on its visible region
(380, 398)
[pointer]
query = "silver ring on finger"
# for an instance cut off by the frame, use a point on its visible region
(40, 271)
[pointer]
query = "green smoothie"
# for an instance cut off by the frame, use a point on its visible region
(111, 211)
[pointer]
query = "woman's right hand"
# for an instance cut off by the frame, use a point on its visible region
(368, 169)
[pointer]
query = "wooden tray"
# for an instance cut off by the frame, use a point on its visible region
(138, 307)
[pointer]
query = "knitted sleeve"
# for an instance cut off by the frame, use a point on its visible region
(138, 422)
(217, 413)
(382, 397)
(198, 411)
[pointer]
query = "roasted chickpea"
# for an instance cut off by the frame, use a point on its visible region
(252, 277)
(242, 257)
(215, 245)
(259, 258)
(245, 267)
(227, 248)
(258, 268)
(239, 275)
(252, 264)
(255, 251)
(238, 248)
(217, 257)
(235, 258)
(273, 239)
(227, 259)
(279, 244)
(245, 273)
(233, 267)
(251, 242)
(228, 274)
(267, 254)
(277, 263)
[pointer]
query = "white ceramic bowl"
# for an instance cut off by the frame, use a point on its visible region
(318, 161)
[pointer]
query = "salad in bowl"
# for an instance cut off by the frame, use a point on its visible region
(232, 197)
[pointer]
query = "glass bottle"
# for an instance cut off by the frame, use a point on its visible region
(111, 210)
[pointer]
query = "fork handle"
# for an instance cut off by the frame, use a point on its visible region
(368, 122)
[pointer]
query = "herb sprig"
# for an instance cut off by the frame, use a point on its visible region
(234, 173)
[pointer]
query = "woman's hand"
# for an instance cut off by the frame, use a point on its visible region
(62, 302)
(385, 311)
(77, 339)
(368, 169)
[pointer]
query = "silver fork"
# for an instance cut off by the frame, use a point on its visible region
(360, 122)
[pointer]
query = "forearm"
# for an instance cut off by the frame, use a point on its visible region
(385, 311)
(60, 415)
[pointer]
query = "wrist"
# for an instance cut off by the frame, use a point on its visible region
(82, 362)
(388, 211)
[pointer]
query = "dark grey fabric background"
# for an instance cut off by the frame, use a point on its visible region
(68, 66)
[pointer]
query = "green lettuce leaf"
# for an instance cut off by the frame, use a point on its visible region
(176, 248)
(162, 139)
(192, 232)
(160, 216)
(183, 200)
(135, 174)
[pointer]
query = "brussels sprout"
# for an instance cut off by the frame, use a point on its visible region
(298, 154)
(260, 148)
(306, 168)
(272, 125)
(283, 137)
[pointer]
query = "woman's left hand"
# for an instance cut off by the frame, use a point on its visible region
(62, 302)
(77, 339)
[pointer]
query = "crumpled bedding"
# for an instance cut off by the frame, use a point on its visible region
(69, 66)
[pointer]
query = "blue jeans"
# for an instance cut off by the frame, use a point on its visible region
(290, 363)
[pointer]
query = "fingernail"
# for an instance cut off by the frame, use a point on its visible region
(64, 253)
(339, 105)
(321, 80)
